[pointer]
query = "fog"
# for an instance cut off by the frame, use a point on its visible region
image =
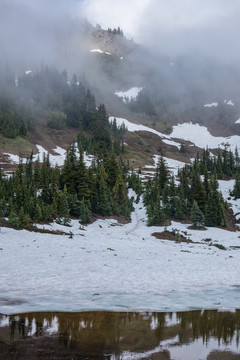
(208, 28)
(34, 32)
(186, 45)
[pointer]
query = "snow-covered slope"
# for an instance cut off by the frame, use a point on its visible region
(111, 266)
(129, 94)
(136, 127)
(202, 138)
(57, 159)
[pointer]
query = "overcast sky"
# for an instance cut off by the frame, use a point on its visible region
(204, 27)
(207, 27)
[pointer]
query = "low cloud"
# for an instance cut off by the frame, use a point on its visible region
(175, 27)
(29, 29)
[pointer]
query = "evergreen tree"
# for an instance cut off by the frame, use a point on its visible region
(104, 203)
(236, 188)
(85, 214)
(63, 209)
(197, 216)
(121, 205)
(197, 189)
(162, 174)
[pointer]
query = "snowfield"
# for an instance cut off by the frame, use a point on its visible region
(111, 266)
(195, 133)
(201, 137)
(136, 127)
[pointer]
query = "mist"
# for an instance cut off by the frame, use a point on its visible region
(207, 28)
(187, 48)
(35, 32)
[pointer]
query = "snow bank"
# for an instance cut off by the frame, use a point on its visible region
(136, 127)
(129, 94)
(202, 138)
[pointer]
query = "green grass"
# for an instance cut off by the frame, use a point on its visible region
(18, 145)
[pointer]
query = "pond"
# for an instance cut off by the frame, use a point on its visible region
(211, 335)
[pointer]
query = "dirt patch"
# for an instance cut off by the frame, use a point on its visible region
(167, 235)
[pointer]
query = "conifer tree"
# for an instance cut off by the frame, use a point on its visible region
(155, 213)
(82, 178)
(104, 203)
(85, 214)
(236, 188)
(197, 216)
(121, 204)
(162, 174)
(63, 209)
(197, 189)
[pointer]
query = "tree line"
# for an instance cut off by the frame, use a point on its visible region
(39, 192)
(48, 97)
(195, 195)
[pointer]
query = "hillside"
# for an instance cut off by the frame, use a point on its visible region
(142, 148)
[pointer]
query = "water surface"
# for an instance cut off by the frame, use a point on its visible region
(211, 335)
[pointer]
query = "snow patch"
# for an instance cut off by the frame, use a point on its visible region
(229, 102)
(174, 165)
(136, 127)
(129, 94)
(172, 143)
(100, 51)
(214, 104)
(97, 51)
(237, 122)
(201, 137)
(57, 159)
(225, 186)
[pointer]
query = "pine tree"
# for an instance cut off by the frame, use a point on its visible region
(104, 203)
(63, 209)
(162, 174)
(180, 207)
(236, 188)
(121, 204)
(197, 189)
(219, 165)
(82, 178)
(85, 214)
(155, 213)
(197, 216)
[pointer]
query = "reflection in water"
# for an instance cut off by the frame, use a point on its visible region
(111, 335)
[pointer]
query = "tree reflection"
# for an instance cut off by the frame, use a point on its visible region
(104, 333)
